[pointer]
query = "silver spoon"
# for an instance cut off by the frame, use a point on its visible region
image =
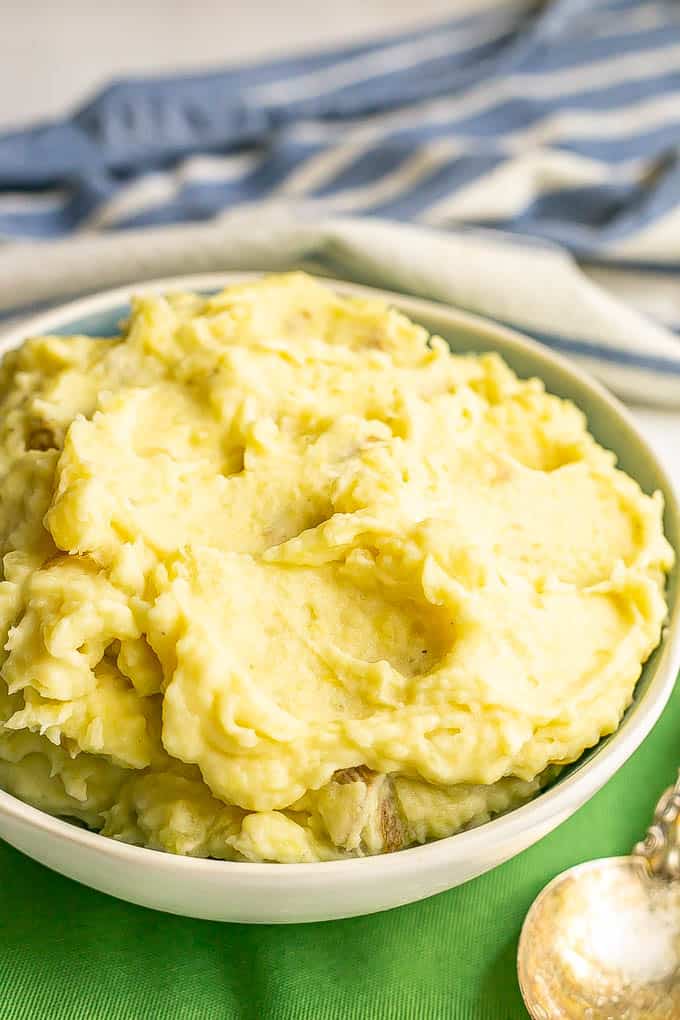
(602, 940)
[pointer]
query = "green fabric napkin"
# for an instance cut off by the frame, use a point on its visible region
(68, 953)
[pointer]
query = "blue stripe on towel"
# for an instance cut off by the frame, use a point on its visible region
(382, 101)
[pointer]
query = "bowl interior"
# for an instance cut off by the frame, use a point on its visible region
(607, 421)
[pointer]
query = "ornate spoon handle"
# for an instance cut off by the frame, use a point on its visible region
(659, 851)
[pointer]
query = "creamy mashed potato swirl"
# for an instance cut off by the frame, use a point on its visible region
(285, 580)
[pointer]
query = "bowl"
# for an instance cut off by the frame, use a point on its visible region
(279, 893)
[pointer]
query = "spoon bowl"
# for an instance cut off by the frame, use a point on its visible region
(602, 941)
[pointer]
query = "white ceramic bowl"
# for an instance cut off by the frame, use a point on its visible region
(312, 892)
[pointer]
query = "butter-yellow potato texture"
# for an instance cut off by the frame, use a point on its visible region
(282, 579)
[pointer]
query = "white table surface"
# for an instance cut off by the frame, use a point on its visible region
(54, 55)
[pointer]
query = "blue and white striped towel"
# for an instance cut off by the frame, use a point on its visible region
(555, 124)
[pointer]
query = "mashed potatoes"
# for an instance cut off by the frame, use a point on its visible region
(284, 580)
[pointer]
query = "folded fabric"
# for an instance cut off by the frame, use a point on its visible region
(556, 119)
